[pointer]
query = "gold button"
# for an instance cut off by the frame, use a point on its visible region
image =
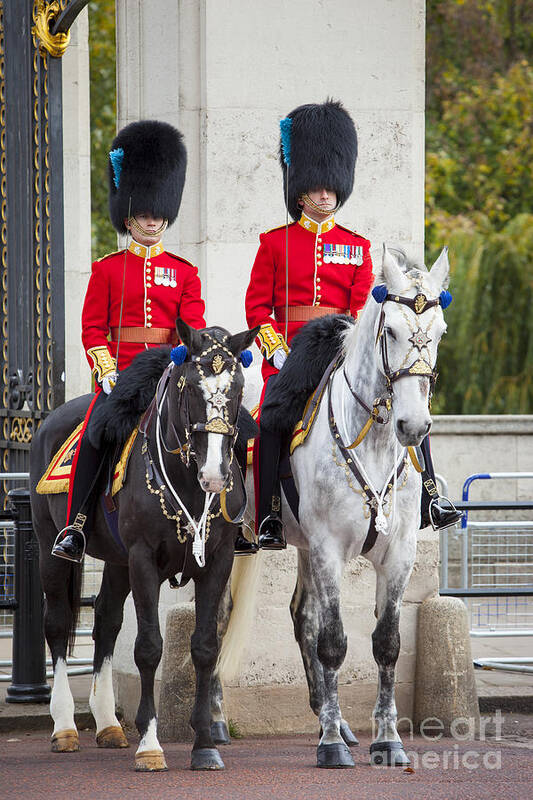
(318, 280)
(148, 270)
(317, 303)
(148, 300)
(319, 261)
(148, 324)
(148, 316)
(148, 285)
(319, 239)
(148, 263)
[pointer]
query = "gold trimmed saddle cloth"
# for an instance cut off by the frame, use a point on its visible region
(56, 478)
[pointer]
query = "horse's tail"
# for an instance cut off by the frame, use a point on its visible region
(244, 579)
(74, 583)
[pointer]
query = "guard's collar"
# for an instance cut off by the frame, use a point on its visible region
(146, 252)
(316, 227)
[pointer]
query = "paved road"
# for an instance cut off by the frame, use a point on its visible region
(268, 769)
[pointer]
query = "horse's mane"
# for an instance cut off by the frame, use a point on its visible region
(312, 349)
(115, 419)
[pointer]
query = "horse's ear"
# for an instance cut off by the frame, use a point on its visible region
(440, 271)
(189, 336)
(242, 341)
(391, 272)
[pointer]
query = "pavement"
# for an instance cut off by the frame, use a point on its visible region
(499, 767)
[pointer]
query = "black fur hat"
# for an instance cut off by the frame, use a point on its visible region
(323, 152)
(147, 163)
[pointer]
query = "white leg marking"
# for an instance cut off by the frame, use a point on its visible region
(149, 740)
(61, 701)
(102, 698)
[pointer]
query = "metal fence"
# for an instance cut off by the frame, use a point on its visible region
(9, 597)
(490, 564)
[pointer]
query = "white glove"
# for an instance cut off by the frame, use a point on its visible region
(109, 381)
(279, 358)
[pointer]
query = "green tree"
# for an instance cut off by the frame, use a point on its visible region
(103, 119)
(479, 197)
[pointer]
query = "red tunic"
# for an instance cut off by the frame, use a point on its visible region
(158, 287)
(328, 266)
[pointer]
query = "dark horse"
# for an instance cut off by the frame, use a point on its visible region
(174, 518)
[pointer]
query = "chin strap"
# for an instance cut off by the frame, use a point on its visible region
(311, 203)
(135, 225)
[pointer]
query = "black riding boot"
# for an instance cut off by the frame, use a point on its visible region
(243, 546)
(439, 512)
(271, 536)
(71, 542)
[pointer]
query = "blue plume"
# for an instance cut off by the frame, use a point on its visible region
(285, 126)
(379, 293)
(178, 354)
(246, 358)
(445, 298)
(117, 157)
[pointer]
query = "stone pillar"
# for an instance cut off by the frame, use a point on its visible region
(178, 678)
(77, 200)
(445, 694)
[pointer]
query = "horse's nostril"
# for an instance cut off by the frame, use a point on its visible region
(401, 425)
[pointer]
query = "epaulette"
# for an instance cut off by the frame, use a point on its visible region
(108, 255)
(180, 258)
(277, 228)
(348, 230)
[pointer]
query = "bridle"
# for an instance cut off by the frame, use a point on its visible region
(218, 423)
(419, 367)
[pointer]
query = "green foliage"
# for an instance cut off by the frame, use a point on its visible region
(479, 197)
(103, 119)
(487, 359)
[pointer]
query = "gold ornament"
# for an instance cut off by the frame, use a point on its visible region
(420, 303)
(55, 44)
(218, 364)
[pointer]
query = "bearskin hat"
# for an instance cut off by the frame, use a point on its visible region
(146, 163)
(321, 142)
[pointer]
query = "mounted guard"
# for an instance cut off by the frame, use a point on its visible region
(307, 269)
(134, 295)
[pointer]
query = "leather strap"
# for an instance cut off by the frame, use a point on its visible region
(305, 313)
(141, 335)
(372, 531)
(319, 391)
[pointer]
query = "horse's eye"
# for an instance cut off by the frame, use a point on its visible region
(390, 333)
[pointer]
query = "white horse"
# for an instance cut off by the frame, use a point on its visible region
(365, 500)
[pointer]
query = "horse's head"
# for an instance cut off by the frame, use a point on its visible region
(205, 392)
(407, 334)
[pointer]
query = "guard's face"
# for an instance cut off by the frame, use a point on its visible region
(326, 199)
(150, 226)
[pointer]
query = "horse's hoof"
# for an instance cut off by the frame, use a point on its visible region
(206, 758)
(349, 737)
(334, 756)
(388, 754)
(219, 733)
(150, 761)
(112, 736)
(66, 741)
